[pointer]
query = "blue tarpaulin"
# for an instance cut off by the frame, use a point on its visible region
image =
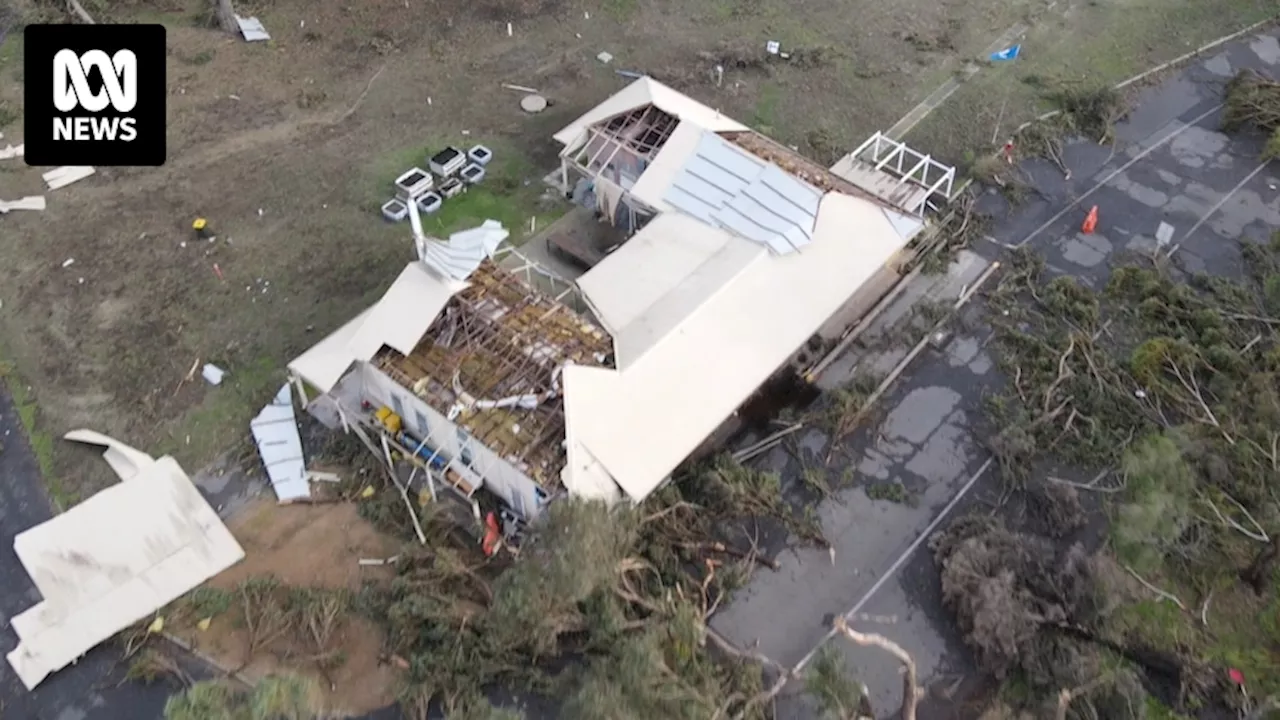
(1008, 53)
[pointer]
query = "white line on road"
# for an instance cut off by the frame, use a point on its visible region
(1074, 203)
(1218, 205)
(897, 564)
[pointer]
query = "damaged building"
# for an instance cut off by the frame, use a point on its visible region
(738, 252)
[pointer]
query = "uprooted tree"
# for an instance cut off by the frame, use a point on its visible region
(1167, 386)
(606, 607)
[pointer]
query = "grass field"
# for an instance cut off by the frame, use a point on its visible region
(288, 148)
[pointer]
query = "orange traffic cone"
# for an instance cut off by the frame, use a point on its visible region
(1090, 221)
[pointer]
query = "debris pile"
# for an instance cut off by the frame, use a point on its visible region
(1253, 100)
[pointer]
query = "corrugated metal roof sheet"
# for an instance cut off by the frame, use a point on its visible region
(462, 253)
(725, 186)
(275, 430)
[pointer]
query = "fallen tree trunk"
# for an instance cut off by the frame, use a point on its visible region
(911, 692)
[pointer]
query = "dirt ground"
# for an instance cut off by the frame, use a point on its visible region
(289, 147)
(316, 546)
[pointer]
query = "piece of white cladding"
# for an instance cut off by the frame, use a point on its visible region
(395, 210)
(213, 374)
(430, 203)
(480, 155)
(447, 162)
(472, 174)
(413, 184)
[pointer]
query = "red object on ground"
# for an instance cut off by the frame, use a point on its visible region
(1008, 152)
(1090, 221)
(218, 271)
(1236, 676)
(492, 534)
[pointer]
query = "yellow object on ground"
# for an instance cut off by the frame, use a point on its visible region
(367, 492)
(424, 497)
(199, 224)
(204, 624)
(156, 625)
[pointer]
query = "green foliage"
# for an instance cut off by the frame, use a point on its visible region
(1155, 511)
(276, 697)
(829, 681)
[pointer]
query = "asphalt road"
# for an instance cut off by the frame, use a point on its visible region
(91, 689)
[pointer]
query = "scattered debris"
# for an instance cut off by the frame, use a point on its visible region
(275, 430)
(13, 151)
(65, 175)
(213, 374)
(31, 202)
(533, 103)
(252, 30)
(68, 262)
(773, 47)
(520, 88)
(1009, 53)
(320, 476)
(605, 57)
(114, 559)
(367, 562)
(630, 74)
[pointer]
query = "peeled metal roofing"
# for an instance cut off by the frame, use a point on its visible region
(725, 186)
(275, 430)
(462, 253)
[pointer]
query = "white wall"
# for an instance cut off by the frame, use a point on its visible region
(453, 442)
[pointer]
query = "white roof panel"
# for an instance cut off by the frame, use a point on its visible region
(324, 363)
(726, 186)
(696, 375)
(642, 92)
(405, 312)
(275, 430)
(113, 560)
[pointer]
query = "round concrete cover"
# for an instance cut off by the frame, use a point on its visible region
(533, 103)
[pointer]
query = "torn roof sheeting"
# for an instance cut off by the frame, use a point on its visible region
(462, 253)
(113, 560)
(275, 430)
(725, 186)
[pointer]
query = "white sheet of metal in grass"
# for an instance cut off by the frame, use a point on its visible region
(113, 560)
(275, 430)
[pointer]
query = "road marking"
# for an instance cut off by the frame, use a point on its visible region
(1218, 205)
(897, 564)
(1074, 203)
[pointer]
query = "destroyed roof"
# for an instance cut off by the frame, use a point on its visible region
(642, 92)
(492, 361)
(424, 285)
(719, 328)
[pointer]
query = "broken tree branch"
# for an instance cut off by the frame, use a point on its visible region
(1161, 593)
(75, 7)
(911, 692)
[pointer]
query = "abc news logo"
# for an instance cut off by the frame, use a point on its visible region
(95, 95)
(71, 91)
